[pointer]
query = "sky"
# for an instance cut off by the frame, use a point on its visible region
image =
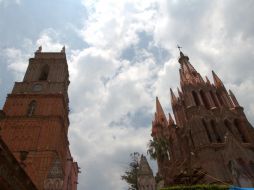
(121, 55)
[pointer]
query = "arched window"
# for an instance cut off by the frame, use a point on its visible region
(204, 99)
(196, 99)
(214, 99)
(220, 98)
(228, 125)
(31, 108)
(217, 136)
(44, 73)
(207, 131)
(240, 130)
(192, 141)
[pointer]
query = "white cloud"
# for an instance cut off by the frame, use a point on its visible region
(112, 96)
(5, 3)
(16, 61)
(17, 58)
(115, 24)
(49, 41)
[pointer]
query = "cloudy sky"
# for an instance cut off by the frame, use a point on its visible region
(121, 55)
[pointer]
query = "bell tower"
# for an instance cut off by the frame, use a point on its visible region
(36, 119)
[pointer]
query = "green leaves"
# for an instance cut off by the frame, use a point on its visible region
(198, 187)
(131, 174)
(158, 148)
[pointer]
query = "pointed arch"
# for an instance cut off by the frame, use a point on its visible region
(196, 98)
(192, 141)
(31, 108)
(228, 126)
(214, 99)
(207, 131)
(239, 128)
(204, 99)
(220, 99)
(44, 72)
(217, 136)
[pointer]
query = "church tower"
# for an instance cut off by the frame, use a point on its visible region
(211, 140)
(35, 123)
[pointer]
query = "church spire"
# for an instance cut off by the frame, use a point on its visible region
(159, 111)
(217, 81)
(188, 73)
(159, 118)
(183, 58)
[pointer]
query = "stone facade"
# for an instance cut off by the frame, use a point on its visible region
(35, 120)
(211, 140)
(146, 179)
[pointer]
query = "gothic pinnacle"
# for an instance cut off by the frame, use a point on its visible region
(173, 97)
(216, 79)
(159, 111)
(233, 98)
(207, 80)
(179, 93)
(170, 119)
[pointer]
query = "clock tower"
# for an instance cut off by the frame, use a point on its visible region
(35, 126)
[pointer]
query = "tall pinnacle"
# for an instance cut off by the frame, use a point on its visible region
(217, 81)
(159, 111)
(173, 97)
(233, 98)
(170, 119)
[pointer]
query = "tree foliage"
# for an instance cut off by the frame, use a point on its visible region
(158, 148)
(198, 187)
(131, 174)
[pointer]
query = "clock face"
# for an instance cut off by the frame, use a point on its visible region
(37, 87)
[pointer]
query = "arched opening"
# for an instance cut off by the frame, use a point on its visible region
(31, 108)
(44, 73)
(192, 141)
(220, 98)
(228, 125)
(207, 131)
(204, 99)
(214, 99)
(217, 136)
(240, 130)
(196, 99)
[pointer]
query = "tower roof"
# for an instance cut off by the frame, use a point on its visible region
(183, 57)
(144, 167)
(188, 73)
(49, 55)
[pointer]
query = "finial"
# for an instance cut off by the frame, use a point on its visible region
(181, 53)
(39, 49)
(179, 48)
(63, 49)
